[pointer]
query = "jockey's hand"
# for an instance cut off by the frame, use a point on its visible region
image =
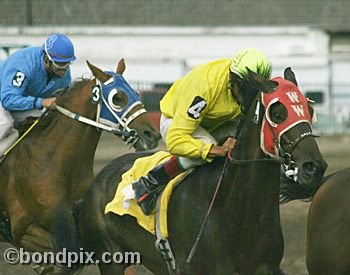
(222, 151)
(49, 103)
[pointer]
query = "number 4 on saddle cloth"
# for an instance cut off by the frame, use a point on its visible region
(125, 204)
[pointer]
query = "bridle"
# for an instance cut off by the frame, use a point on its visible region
(284, 156)
(123, 118)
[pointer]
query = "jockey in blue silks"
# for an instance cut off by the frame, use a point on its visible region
(28, 78)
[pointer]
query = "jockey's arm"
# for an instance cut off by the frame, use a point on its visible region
(49, 102)
(14, 83)
(13, 99)
(222, 151)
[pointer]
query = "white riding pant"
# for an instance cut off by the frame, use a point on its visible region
(200, 133)
(8, 134)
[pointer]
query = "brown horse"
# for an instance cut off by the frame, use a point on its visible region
(242, 234)
(328, 227)
(52, 166)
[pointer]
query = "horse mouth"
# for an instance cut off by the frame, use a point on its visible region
(308, 180)
(142, 145)
(311, 173)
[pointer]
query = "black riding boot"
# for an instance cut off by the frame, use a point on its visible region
(148, 187)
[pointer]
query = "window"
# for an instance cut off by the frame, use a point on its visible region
(317, 96)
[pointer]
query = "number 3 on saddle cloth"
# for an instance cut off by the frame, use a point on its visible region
(124, 202)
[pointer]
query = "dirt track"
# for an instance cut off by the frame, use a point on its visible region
(337, 153)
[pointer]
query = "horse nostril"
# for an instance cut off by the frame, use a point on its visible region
(310, 168)
(148, 135)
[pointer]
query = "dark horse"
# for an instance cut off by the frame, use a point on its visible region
(243, 234)
(328, 227)
(52, 166)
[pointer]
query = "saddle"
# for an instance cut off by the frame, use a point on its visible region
(124, 203)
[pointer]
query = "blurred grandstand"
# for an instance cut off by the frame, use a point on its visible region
(163, 39)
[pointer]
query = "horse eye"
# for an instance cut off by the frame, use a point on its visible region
(118, 100)
(278, 113)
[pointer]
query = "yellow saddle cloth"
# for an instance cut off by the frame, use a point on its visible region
(122, 206)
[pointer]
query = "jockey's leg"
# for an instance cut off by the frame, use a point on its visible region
(8, 140)
(8, 135)
(21, 116)
(148, 187)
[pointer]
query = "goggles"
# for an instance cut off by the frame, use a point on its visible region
(57, 65)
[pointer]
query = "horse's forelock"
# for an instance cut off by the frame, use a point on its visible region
(249, 90)
(254, 83)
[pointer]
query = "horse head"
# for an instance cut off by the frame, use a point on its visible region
(284, 116)
(121, 108)
(118, 108)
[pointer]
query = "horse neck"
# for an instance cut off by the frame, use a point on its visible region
(80, 138)
(79, 100)
(252, 184)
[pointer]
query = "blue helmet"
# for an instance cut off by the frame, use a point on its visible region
(59, 48)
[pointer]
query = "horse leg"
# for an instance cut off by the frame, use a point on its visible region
(3, 239)
(94, 229)
(37, 239)
(130, 271)
(107, 269)
(95, 238)
(29, 236)
(25, 233)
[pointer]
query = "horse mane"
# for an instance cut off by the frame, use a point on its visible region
(63, 95)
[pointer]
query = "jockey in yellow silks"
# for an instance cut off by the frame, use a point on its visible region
(195, 105)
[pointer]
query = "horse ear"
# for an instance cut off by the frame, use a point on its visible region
(121, 66)
(98, 73)
(269, 86)
(289, 75)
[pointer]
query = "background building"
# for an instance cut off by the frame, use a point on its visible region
(161, 40)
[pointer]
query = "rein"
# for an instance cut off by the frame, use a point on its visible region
(250, 161)
(194, 247)
(91, 122)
